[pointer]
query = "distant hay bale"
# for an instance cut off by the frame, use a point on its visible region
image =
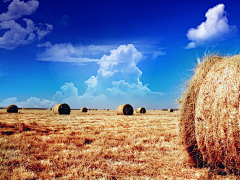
(125, 109)
(209, 114)
(170, 110)
(61, 109)
(107, 109)
(141, 110)
(12, 108)
(84, 109)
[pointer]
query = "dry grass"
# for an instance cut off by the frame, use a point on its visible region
(37, 144)
(210, 114)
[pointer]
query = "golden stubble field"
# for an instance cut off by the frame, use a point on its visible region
(37, 144)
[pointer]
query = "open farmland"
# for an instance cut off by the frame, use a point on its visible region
(37, 144)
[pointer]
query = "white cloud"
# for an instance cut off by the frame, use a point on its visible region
(32, 102)
(66, 52)
(18, 8)
(158, 53)
(117, 82)
(17, 35)
(214, 29)
(46, 44)
(44, 31)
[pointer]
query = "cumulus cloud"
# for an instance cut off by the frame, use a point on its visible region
(16, 34)
(214, 29)
(18, 8)
(66, 52)
(32, 102)
(117, 82)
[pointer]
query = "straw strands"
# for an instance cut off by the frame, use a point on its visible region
(209, 115)
(12, 108)
(125, 109)
(61, 109)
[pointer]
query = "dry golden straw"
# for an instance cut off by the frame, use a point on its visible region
(125, 109)
(61, 109)
(84, 109)
(141, 110)
(209, 122)
(12, 108)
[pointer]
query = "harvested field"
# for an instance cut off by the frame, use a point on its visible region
(38, 144)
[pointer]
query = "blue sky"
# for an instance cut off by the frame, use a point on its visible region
(100, 54)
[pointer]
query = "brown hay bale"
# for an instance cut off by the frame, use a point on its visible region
(170, 110)
(12, 108)
(209, 115)
(125, 109)
(61, 109)
(84, 109)
(141, 110)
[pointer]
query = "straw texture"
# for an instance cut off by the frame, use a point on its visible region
(125, 109)
(61, 109)
(209, 122)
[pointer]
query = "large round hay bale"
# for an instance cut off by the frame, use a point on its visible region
(141, 110)
(125, 109)
(12, 108)
(170, 110)
(61, 109)
(84, 109)
(209, 115)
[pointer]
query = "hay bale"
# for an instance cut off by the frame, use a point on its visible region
(209, 115)
(125, 109)
(170, 110)
(84, 109)
(141, 110)
(107, 109)
(12, 108)
(61, 109)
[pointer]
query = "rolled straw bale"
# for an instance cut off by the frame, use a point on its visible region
(61, 109)
(170, 110)
(125, 109)
(12, 108)
(209, 114)
(141, 110)
(84, 109)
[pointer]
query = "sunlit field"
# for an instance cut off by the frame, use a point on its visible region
(37, 144)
